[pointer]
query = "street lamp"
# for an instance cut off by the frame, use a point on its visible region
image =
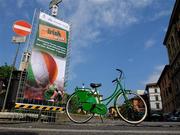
(54, 6)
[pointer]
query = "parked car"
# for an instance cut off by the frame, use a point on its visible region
(172, 117)
(167, 116)
(175, 117)
(156, 117)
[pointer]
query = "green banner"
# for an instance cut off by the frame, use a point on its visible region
(52, 39)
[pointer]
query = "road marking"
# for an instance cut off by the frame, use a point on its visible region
(91, 131)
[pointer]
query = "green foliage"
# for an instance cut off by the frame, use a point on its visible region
(65, 97)
(5, 71)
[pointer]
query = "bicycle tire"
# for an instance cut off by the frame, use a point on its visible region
(75, 112)
(133, 110)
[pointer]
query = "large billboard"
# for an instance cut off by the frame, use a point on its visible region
(46, 70)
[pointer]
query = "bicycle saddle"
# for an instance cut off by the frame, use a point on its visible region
(95, 85)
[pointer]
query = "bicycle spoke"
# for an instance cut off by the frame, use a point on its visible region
(75, 112)
(131, 107)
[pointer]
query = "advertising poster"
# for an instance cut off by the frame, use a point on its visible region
(46, 70)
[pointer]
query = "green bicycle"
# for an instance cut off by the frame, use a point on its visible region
(85, 102)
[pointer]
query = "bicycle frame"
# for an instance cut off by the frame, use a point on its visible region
(118, 90)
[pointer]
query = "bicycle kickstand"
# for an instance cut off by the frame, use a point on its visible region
(101, 119)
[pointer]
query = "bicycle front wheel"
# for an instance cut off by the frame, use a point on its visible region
(75, 112)
(131, 107)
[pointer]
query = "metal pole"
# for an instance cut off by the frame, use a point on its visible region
(10, 78)
(32, 23)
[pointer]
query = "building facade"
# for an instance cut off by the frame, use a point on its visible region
(155, 102)
(172, 43)
(25, 61)
(167, 94)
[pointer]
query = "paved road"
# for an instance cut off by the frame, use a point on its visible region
(91, 128)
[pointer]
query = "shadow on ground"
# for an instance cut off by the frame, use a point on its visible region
(17, 133)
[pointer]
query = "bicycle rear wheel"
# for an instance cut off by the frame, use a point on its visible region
(131, 107)
(75, 111)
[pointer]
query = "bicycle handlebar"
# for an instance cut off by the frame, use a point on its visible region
(120, 75)
(121, 72)
(114, 80)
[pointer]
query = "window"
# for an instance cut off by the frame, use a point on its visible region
(157, 106)
(167, 92)
(155, 90)
(172, 47)
(28, 57)
(156, 98)
(170, 90)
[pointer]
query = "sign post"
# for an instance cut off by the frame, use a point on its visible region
(22, 29)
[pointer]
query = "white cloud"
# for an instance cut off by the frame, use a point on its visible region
(153, 78)
(160, 14)
(149, 43)
(141, 3)
(165, 29)
(116, 14)
(20, 3)
(99, 1)
(3, 4)
(44, 3)
(89, 17)
(130, 60)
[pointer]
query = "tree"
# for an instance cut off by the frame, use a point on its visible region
(5, 71)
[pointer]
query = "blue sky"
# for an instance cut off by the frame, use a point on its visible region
(106, 34)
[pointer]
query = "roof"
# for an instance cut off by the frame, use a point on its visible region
(166, 68)
(174, 12)
(150, 85)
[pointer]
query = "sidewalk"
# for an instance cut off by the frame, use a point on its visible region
(61, 118)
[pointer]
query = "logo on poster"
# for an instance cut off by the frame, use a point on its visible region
(54, 21)
(51, 33)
